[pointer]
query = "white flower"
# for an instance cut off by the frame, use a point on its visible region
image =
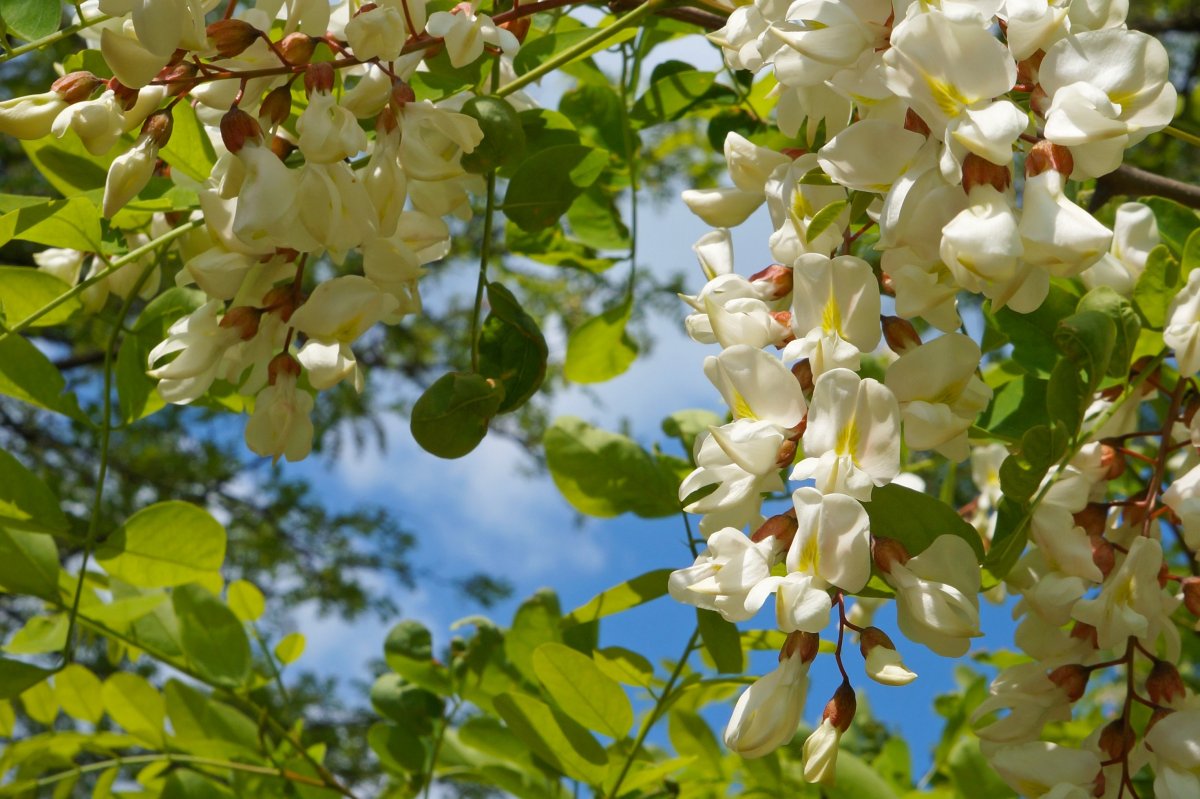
(1032, 700)
(200, 340)
(768, 713)
(757, 386)
(835, 311)
(336, 209)
(882, 662)
(1043, 769)
(820, 753)
(937, 602)
(432, 140)
(328, 132)
(1175, 745)
(870, 154)
(725, 574)
(737, 500)
(218, 272)
(63, 264)
(1131, 601)
(31, 116)
(377, 33)
(466, 32)
(749, 168)
(281, 425)
(1135, 234)
(342, 309)
(128, 174)
(1182, 331)
(1058, 235)
(98, 123)
(833, 539)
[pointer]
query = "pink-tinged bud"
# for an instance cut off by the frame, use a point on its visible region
(231, 37)
(126, 97)
(793, 152)
(365, 7)
(178, 78)
(518, 27)
(913, 122)
(276, 106)
(887, 286)
(158, 127)
(786, 454)
(783, 317)
(244, 319)
(781, 527)
(841, 708)
(978, 171)
(1164, 684)
(463, 8)
(1047, 155)
(282, 364)
(1116, 739)
(1072, 679)
(1103, 554)
(778, 277)
(900, 334)
(1112, 461)
(1191, 594)
(1093, 518)
(804, 375)
(281, 300)
(805, 644)
(872, 637)
(238, 127)
(298, 48)
(1086, 632)
(318, 78)
(887, 552)
(75, 87)
(402, 94)
(1039, 101)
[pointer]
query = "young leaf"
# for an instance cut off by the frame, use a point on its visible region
(28, 375)
(290, 648)
(79, 693)
(245, 600)
(621, 597)
(167, 544)
(581, 690)
(16, 677)
(24, 290)
(136, 706)
(1156, 287)
(29, 564)
(25, 501)
(824, 219)
(600, 348)
(212, 638)
(553, 737)
(536, 622)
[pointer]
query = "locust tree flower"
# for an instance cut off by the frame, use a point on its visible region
(768, 713)
(1135, 234)
(937, 602)
(835, 311)
(1173, 744)
(749, 168)
(882, 662)
(466, 32)
(821, 748)
(328, 132)
(281, 425)
(833, 539)
(99, 123)
(725, 574)
(378, 32)
(200, 339)
(1042, 769)
(432, 142)
(1032, 699)
(1130, 602)
(1182, 331)
(757, 386)
(1057, 235)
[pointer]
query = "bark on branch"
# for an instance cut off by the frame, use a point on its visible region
(1130, 181)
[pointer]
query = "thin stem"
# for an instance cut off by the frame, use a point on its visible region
(652, 718)
(270, 658)
(83, 285)
(57, 36)
(484, 251)
(437, 746)
(1160, 465)
(571, 53)
(1182, 135)
(106, 425)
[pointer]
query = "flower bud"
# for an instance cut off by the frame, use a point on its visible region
(282, 147)
(1047, 155)
(1039, 101)
(178, 77)
(244, 319)
(887, 285)
(75, 87)
(978, 171)
(158, 127)
(1158, 715)
(231, 37)
(518, 27)
(281, 300)
(1112, 460)
(841, 708)
(779, 279)
(914, 123)
(237, 127)
(900, 334)
(126, 97)
(318, 78)
(1072, 678)
(1027, 69)
(804, 374)
(402, 93)
(1093, 518)
(1086, 632)
(386, 121)
(786, 454)
(1117, 739)
(806, 645)
(298, 48)
(1103, 554)
(888, 552)
(781, 527)
(276, 106)
(1164, 684)
(1191, 594)
(883, 663)
(282, 364)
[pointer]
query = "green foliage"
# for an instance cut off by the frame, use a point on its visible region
(512, 349)
(167, 544)
(451, 417)
(600, 348)
(31, 19)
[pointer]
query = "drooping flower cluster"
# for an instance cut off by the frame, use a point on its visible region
(297, 180)
(913, 118)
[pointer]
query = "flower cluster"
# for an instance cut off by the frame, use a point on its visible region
(297, 179)
(913, 118)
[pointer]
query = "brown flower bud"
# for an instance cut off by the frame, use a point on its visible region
(872, 637)
(282, 364)
(914, 122)
(1112, 460)
(282, 147)
(126, 97)
(841, 708)
(402, 94)
(1103, 554)
(1072, 679)
(978, 171)
(786, 454)
(805, 644)
(298, 48)
(784, 318)
(1047, 155)
(318, 78)
(887, 552)
(1039, 101)
(1164, 683)
(900, 334)
(365, 7)
(1093, 518)
(804, 374)
(1099, 785)
(178, 78)
(244, 319)
(238, 127)
(281, 300)
(887, 286)
(75, 87)
(276, 106)
(781, 527)
(158, 127)
(1086, 632)
(793, 152)
(1116, 739)
(778, 277)
(231, 37)
(1027, 70)
(386, 121)
(518, 27)
(1158, 715)
(1191, 594)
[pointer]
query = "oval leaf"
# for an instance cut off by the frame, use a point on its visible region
(167, 544)
(451, 417)
(600, 348)
(582, 690)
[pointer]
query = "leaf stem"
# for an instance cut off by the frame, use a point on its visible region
(57, 36)
(484, 252)
(1182, 135)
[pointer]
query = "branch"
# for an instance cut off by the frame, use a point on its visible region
(1131, 181)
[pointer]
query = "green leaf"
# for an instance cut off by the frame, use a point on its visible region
(1008, 541)
(136, 706)
(544, 129)
(536, 622)
(625, 666)
(1015, 406)
(1087, 338)
(825, 219)
(692, 737)
(193, 785)
(857, 780)
(24, 290)
(686, 425)
(16, 677)
(1175, 222)
(553, 737)
(31, 19)
(606, 474)
(406, 704)
(408, 651)
(722, 642)
(29, 564)
(551, 247)
(290, 648)
(1190, 259)
(1023, 470)
(399, 748)
(245, 600)
(672, 96)
(79, 692)
(595, 111)
(73, 223)
(488, 735)
(41, 634)
(1156, 287)
(512, 349)
(1032, 334)
(189, 149)
(25, 501)
(137, 394)
(212, 638)
(600, 348)
(972, 775)
(581, 690)
(167, 544)
(1068, 395)
(545, 184)
(451, 417)
(28, 375)
(67, 164)
(1128, 327)
(41, 704)
(916, 519)
(596, 221)
(621, 597)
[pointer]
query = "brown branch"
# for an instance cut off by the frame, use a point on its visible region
(1130, 181)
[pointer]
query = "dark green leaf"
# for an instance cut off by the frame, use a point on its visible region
(545, 184)
(670, 97)
(596, 222)
(408, 651)
(1125, 320)
(1032, 334)
(1087, 338)
(1015, 406)
(1156, 287)
(28, 375)
(551, 246)
(400, 748)
(1068, 395)
(596, 112)
(451, 417)
(17, 677)
(408, 705)
(31, 19)
(915, 519)
(1008, 541)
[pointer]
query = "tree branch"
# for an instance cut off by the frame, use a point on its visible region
(1130, 181)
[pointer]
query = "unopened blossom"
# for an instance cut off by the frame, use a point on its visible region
(1034, 25)
(128, 174)
(749, 168)
(60, 262)
(1031, 700)
(725, 574)
(1182, 331)
(835, 311)
(937, 602)
(882, 662)
(1135, 234)
(130, 60)
(466, 32)
(939, 393)
(1042, 769)
(821, 748)
(218, 272)
(768, 713)
(1053, 529)
(30, 116)
(753, 445)
(281, 425)
(714, 251)
(852, 438)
